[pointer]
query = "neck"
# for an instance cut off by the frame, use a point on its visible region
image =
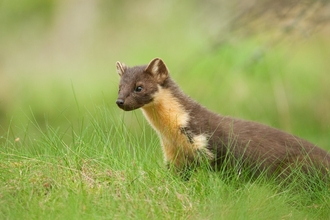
(168, 114)
(165, 113)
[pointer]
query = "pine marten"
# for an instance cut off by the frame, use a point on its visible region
(190, 133)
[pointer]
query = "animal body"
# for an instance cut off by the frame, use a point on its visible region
(190, 133)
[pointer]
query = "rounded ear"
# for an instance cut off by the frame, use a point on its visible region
(158, 69)
(120, 68)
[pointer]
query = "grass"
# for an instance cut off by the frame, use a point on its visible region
(103, 169)
(87, 160)
(67, 152)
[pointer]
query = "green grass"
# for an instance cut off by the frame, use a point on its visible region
(68, 152)
(79, 157)
(102, 169)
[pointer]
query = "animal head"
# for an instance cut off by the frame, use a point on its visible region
(138, 84)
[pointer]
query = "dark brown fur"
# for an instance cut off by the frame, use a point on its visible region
(253, 144)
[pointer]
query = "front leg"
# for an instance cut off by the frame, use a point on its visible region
(184, 171)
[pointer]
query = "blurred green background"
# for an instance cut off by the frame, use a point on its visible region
(258, 60)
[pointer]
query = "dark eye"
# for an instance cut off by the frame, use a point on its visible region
(138, 89)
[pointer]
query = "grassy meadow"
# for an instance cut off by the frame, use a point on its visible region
(68, 152)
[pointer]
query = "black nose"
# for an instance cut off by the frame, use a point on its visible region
(120, 102)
